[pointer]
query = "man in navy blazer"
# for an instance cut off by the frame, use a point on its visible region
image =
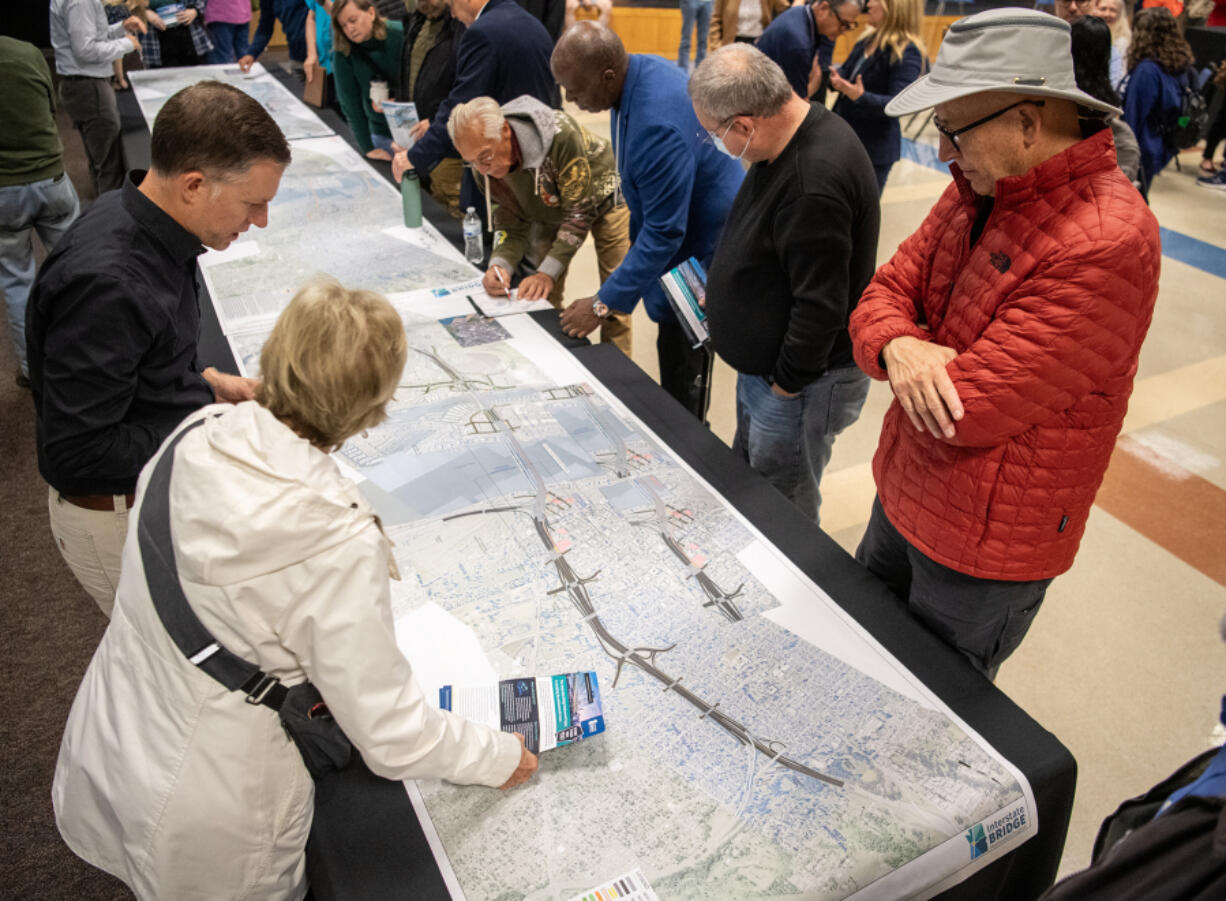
(804, 33)
(678, 186)
(504, 54)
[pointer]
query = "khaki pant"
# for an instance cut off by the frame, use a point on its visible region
(611, 235)
(91, 543)
(445, 184)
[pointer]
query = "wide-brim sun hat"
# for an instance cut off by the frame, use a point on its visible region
(1014, 50)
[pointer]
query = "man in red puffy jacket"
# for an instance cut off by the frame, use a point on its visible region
(1009, 327)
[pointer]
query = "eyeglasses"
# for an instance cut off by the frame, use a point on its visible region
(484, 159)
(709, 135)
(844, 25)
(952, 135)
(725, 125)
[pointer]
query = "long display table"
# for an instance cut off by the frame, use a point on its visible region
(368, 840)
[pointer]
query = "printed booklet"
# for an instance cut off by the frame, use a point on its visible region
(548, 711)
(401, 117)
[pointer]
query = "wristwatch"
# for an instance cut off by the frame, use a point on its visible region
(599, 307)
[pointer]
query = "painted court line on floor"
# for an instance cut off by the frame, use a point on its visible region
(1168, 504)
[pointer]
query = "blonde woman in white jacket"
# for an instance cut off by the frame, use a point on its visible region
(165, 778)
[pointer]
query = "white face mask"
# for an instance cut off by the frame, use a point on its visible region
(718, 141)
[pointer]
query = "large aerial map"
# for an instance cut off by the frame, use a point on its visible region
(333, 213)
(153, 87)
(759, 744)
(741, 760)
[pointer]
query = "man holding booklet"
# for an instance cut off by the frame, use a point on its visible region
(799, 246)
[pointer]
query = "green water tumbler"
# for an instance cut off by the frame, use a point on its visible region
(410, 195)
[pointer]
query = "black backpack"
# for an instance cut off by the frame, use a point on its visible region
(1187, 126)
(1180, 856)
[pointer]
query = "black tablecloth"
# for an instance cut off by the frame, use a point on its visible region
(366, 842)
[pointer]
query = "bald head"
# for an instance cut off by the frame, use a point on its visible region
(592, 45)
(590, 64)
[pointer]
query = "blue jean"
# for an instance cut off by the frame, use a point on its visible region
(381, 142)
(48, 207)
(789, 440)
(230, 41)
(985, 619)
(695, 15)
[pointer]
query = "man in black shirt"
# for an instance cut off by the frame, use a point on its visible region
(799, 246)
(112, 322)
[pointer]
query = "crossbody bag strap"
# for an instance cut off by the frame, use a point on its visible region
(179, 619)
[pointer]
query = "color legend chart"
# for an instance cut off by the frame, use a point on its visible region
(630, 887)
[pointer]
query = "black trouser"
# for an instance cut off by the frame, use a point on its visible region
(178, 48)
(1217, 126)
(90, 103)
(684, 370)
(985, 619)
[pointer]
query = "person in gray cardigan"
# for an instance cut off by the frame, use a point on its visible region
(85, 46)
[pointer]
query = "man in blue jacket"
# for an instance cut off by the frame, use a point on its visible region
(803, 33)
(678, 186)
(504, 54)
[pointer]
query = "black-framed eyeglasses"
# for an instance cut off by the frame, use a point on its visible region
(844, 25)
(952, 134)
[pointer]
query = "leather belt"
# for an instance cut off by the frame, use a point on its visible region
(96, 501)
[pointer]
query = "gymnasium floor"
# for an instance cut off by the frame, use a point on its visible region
(1124, 663)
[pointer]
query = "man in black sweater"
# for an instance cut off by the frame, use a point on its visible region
(799, 246)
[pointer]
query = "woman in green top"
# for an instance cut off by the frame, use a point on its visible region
(366, 47)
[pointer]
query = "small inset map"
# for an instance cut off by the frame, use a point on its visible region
(475, 330)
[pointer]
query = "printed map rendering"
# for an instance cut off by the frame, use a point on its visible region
(332, 214)
(154, 87)
(740, 760)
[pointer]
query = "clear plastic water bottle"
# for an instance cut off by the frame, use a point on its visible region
(474, 247)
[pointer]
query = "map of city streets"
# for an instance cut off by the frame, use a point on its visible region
(742, 759)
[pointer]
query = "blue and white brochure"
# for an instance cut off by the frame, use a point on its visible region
(548, 711)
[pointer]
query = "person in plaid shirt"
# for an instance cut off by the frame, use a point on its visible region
(185, 42)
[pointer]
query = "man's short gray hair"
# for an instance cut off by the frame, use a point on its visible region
(480, 112)
(739, 80)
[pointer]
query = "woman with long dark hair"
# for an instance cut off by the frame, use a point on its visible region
(1158, 58)
(1092, 68)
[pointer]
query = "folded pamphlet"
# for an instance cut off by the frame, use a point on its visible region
(401, 117)
(548, 711)
(168, 13)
